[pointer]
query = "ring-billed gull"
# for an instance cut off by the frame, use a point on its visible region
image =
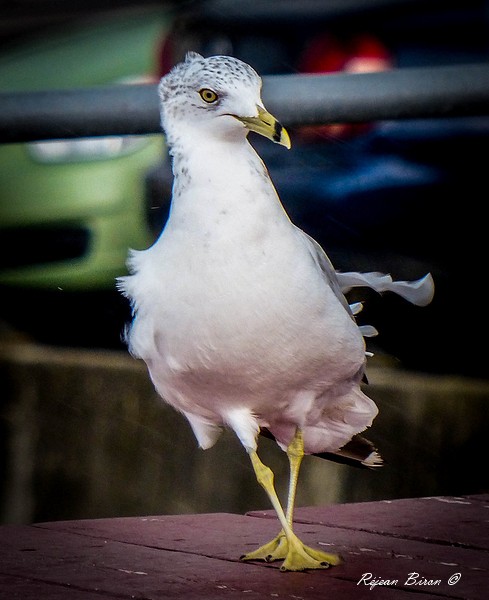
(238, 314)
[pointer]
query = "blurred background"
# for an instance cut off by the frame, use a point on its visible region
(82, 433)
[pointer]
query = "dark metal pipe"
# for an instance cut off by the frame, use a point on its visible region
(397, 94)
(115, 110)
(295, 99)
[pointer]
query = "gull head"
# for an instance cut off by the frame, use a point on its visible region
(218, 96)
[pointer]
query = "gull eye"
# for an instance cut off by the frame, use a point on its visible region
(208, 95)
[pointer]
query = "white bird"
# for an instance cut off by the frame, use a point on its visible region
(239, 314)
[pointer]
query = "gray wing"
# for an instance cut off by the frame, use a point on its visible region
(321, 259)
(419, 292)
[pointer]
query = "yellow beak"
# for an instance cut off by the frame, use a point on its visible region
(267, 125)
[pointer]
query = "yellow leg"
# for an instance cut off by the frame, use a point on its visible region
(295, 453)
(298, 556)
(277, 548)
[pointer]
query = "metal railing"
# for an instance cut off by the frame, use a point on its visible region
(295, 99)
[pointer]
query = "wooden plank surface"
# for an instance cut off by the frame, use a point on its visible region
(444, 540)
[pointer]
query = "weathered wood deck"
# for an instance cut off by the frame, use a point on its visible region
(422, 548)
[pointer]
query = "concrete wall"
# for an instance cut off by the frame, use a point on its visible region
(83, 434)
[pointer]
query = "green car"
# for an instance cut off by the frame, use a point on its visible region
(70, 209)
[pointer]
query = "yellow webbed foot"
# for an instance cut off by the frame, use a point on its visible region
(273, 550)
(302, 558)
(296, 555)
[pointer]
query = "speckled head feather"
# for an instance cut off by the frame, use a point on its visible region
(231, 79)
(221, 72)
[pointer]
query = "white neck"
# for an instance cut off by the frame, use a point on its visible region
(217, 178)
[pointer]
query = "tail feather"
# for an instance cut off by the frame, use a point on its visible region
(358, 452)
